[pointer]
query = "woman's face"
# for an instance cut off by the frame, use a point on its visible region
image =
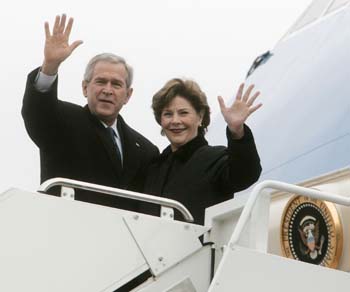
(180, 122)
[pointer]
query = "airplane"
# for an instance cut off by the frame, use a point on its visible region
(291, 232)
(302, 134)
(305, 119)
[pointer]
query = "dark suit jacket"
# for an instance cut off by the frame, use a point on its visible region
(74, 144)
(199, 175)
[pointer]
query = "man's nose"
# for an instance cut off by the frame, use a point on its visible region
(107, 89)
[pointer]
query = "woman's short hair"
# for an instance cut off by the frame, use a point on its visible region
(187, 89)
(110, 58)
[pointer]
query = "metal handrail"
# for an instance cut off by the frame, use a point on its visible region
(70, 183)
(271, 184)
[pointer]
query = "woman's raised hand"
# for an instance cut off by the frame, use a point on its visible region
(242, 107)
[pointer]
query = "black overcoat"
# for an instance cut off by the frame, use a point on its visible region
(74, 144)
(199, 175)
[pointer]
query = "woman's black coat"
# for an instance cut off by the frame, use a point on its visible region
(199, 175)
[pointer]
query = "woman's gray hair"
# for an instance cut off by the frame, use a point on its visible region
(110, 58)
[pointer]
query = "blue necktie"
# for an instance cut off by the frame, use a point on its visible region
(117, 150)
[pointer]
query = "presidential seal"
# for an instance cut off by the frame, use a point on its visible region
(311, 232)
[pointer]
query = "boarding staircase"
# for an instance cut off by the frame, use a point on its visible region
(60, 244)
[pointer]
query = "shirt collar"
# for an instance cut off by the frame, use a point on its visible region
(113, 126)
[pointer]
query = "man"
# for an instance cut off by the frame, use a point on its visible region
(91, 143)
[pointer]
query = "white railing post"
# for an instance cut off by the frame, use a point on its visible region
(254, 202)
(251, 230)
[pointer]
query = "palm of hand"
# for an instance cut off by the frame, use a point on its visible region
(237, 114)
(243, 106)
(57, 48)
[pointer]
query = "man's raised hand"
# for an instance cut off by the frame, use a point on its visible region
(57, 47)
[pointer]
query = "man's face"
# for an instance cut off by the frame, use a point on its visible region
(107, 92)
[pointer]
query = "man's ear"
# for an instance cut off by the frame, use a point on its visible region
(128, 95)
(84, 85)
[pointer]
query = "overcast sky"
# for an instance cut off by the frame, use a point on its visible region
(213, 42)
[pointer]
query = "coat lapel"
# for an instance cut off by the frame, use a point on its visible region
(107, 144)
(131, 152)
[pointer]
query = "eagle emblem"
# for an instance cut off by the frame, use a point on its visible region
(311, 243)
(311, 231)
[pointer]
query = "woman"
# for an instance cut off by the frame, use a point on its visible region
(189, 170)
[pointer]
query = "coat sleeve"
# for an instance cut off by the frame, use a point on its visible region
(239, 167)
(40, 112)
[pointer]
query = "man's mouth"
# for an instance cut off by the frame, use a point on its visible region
(106, 101)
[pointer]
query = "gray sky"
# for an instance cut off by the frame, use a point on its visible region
(212, 42)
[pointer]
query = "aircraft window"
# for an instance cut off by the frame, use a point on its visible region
(337, 4)
(259, 61)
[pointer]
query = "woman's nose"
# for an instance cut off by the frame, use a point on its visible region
(175, 118)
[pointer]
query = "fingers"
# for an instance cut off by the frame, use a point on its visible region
(56, 25)
(59, 26)
(254, 108)
(221, 103)
(47, 30)
(250, 101)
(253, 98)
(69, 27)
(246, 96)
(247, 93)
(74, 45)
(239, 92)
(62, 24)
(61, 29)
